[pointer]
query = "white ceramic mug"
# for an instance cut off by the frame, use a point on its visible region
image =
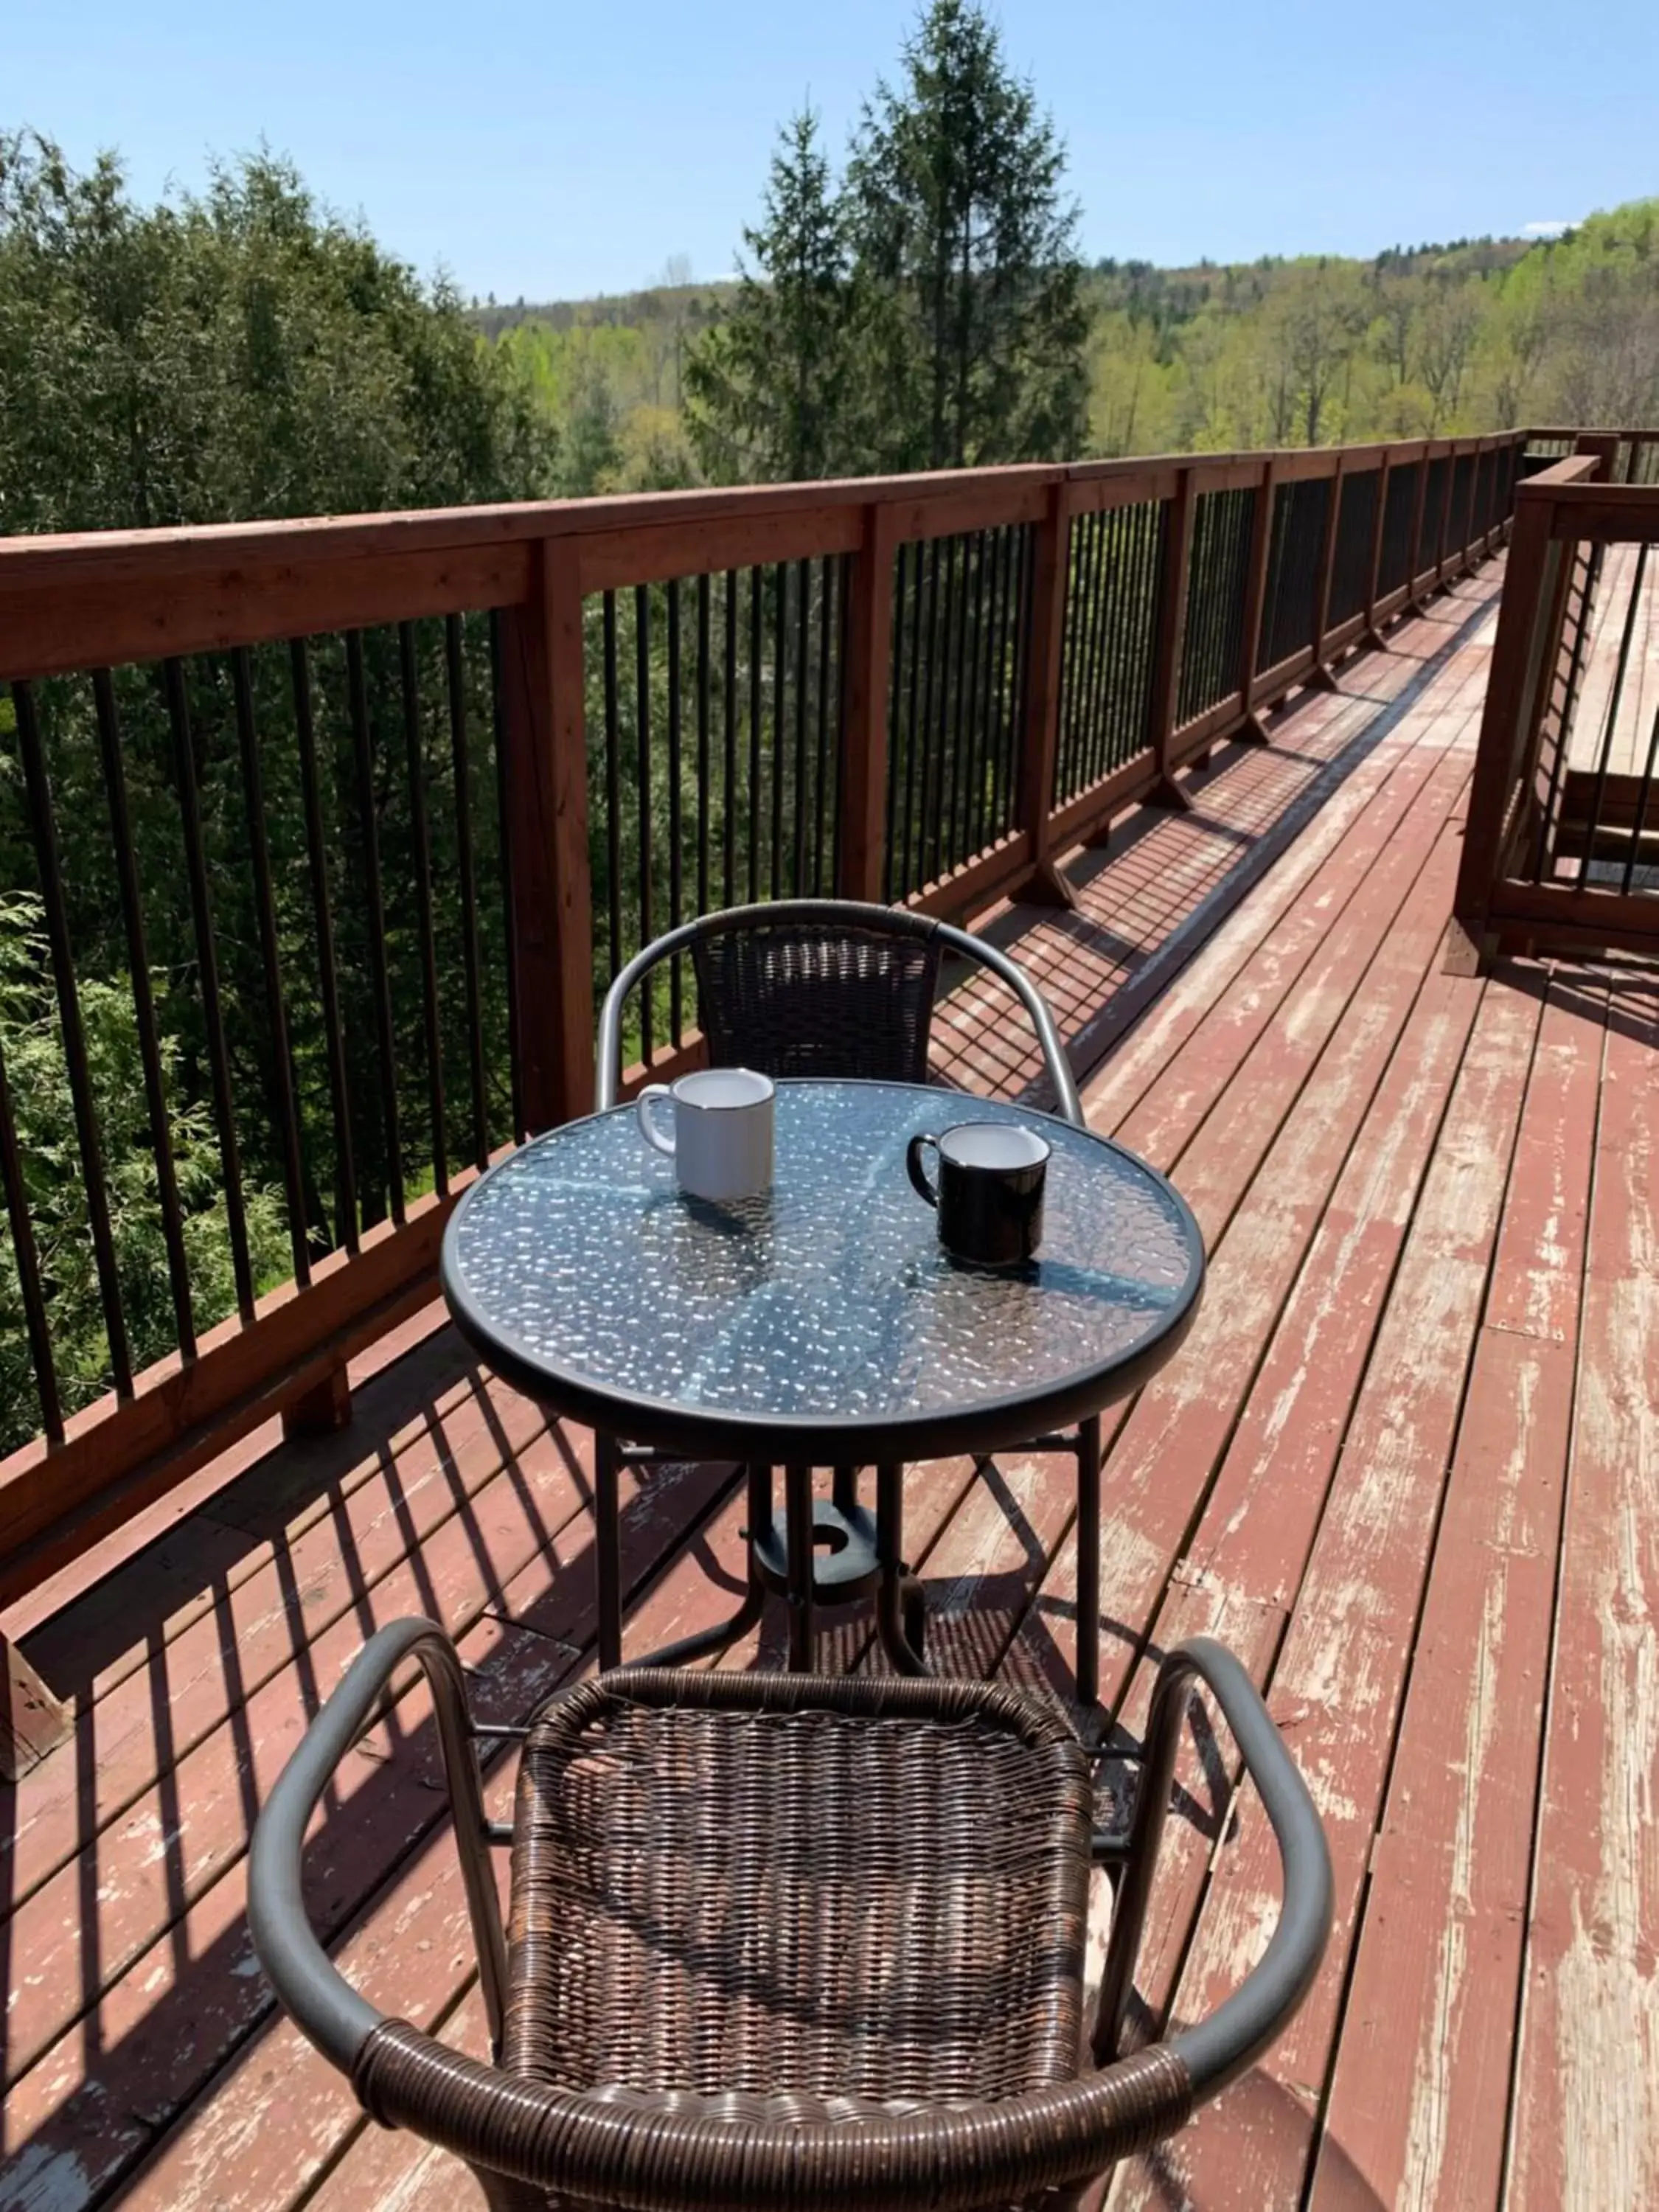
(721, 1146)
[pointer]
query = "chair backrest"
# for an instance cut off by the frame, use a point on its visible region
(824, 987)
(847, 997)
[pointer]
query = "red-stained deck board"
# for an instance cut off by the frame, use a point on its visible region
(160, 2030)
(1240, 1577)
(1336, 1688)
(174, 1688)
(1198, 1033)
(1585, 2115)
(1161, 1462)
(133, 1881)
(1419, 2100)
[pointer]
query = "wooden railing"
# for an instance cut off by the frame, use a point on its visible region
(424, 782)
(1562, 848)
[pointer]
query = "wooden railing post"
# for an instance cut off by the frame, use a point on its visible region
(1171, 637)
(1371, 635)
(1044, 885)
(862, 783)
(1319, 676)
(1514, 690)
(545, 709)
(1256, 595)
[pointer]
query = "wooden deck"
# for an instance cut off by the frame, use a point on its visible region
(1405, 1465)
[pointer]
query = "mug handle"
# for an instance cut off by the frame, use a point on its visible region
(919, 1181)
(648, 1128)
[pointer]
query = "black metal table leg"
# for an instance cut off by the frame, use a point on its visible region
(607, 1548)
(709, 1641)
(1088, 1559)
(797, 1512)
(897, 1594)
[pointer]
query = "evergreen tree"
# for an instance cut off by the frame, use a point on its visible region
(766, 390)
(969, 286)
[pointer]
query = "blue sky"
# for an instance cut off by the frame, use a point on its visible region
(554, 150)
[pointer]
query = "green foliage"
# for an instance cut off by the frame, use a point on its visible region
(767, 391)
(36, 1074)
(235, 356)
(926, 313)
(1481, 335)
(966, 252)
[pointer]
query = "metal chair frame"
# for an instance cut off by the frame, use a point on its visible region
(524, 2139)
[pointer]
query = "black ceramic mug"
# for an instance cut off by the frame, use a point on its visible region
(989, 1194)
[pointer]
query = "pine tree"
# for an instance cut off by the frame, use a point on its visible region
(765, 390)
(967, 282)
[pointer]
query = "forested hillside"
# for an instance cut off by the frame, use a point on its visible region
(1476, 334)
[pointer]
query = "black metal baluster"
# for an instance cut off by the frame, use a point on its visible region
(962, 737)
(996, 683)
(828, 570)
(270, 960)
(1065, 751)
(896, 763)
(207, 969)
(144, 1008)
(675, 812)
(843, 624)
(973, 833)
(380, 975)
(613, 797)
(803, 665)
(907, 878)
(422, 856)
(504, 847)
(1154, 528)
(1547, 821)
(729, 823)
(1616, 697)
(757, 652)
(703, 610)
(780, 718)
(642, 751)
(345, 1173)
(1099, 693)
(43, 830)
(938, 616)
(1639, 829)
(455, 678)
(26, 1260)
(1019, 620)
(950, 549)
(990, 825)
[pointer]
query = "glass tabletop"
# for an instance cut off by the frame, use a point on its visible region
(826, 1305)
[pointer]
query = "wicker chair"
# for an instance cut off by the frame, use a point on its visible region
(827, 987)
(785, 1942)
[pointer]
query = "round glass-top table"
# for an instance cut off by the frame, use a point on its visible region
(821, 1323)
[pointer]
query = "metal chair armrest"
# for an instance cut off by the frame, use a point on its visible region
(1059, 1067)
(319, 1999)
(1217, 2050)
(607, 1071)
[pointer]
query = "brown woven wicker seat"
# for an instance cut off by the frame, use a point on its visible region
(787, 1942)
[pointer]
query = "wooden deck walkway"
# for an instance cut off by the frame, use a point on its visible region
(1406, 1464)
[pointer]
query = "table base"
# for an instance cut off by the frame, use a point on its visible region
(832, 1551)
